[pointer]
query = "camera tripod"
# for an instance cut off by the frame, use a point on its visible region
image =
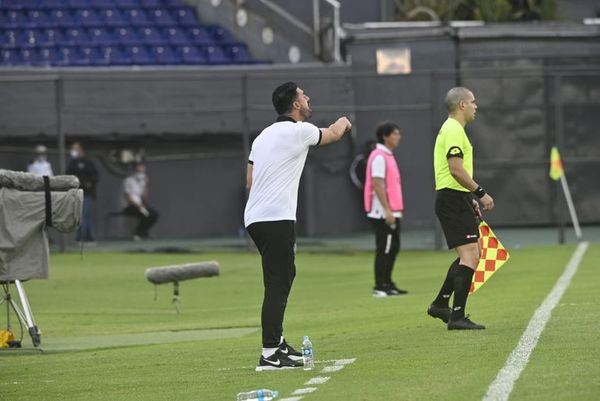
(23, 313)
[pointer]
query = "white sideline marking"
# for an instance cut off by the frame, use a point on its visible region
(345, 361)
(317, 380)
(306, 390)
(504, 382)
(291, 399)
(334, 368)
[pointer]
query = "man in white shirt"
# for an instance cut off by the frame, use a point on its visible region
(135, 188)
(275, 165)
(40, 165)
(384, 206)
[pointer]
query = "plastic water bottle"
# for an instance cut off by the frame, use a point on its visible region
(307, 354)
(258, 395)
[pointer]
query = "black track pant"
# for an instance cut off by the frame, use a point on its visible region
(144, 222)
(276, 242)
(387, 246)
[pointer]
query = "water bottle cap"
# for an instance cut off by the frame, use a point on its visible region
(305, 338)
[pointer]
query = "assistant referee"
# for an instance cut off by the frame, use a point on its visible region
(457, 209)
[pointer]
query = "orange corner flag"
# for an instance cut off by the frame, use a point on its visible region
(556, 166)
(493, 256)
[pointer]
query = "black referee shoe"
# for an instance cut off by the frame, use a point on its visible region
(438, 312)
(464, 324)
(393, 290)
(275, 362)
(291, 353)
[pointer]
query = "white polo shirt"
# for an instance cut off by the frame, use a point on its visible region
(378, 171)
(278, 155)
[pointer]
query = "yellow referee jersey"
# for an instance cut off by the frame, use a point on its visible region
(452, 141)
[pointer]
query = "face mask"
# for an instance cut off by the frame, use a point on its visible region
(41, 158)
(74, 154)
(140, 176)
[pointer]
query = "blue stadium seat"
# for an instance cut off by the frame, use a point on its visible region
(115, 55)
(50, 37)
(152, 36)
(216, 55)
(221, 35)
(88, 55)
(185, 16)
(87, 17)
(200, 35)
(14, 19)
(19, 4)
(65, 55)
(46, 56)
(113, 17)
(239, 54)
(103, 3)
(30, 38)
(172, 3)
(127, 36)
(11, 38)
(38, 18)
(137, 17)
(102, 36)
(151, 3)
(128, 3)
(164, 55)
(11, 57)
(177, 36)
(162, 17)
(79, 3)
(61, 17)
(192, 54)
(28, 56)
(50, 4)
(140, 55)
(76, 37)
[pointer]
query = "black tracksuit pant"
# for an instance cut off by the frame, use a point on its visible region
(387, 246)
(144, 222)
(276, 242)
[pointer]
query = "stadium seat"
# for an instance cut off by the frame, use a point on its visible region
(61, 18)
(140, 55)
(103, 3)
(50, 37)
(200, 36)
(164, 55)
(29, 38)
(151, 3)
(11, 57)
(11, 38)
(115, 55)
(176, 36)
(50, 4)
(113, 17)
(65, 55)
(19, 5)
(192, 54)
(137, 17)
(172, 3)
(185, 16)
(127, 36)
(28, 57)
(216, 55)
(239, 54)
(46, 56)
(88, 55)
(128, 3)
(102, 36)
(38, 19)
(221, 35)
(152, 36)
(14, 19)
(78, 3)
(76, 37)
(162, 17)
(87, 17)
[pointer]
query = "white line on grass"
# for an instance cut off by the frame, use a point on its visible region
(291, 399)
(317, 380)
(306, 390)
(502, 386)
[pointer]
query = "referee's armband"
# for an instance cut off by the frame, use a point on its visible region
(454, 151)
(480, 192)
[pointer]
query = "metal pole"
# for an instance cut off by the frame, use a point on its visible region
(336, 34)
(61, 143)
(558, 132)
(316, 29)
(437, 229)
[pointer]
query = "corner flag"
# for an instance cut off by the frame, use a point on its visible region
(556, 166)
(493, 256)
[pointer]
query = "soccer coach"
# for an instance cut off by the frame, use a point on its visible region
(276, 161)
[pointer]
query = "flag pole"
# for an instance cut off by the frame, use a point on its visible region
(569, 199)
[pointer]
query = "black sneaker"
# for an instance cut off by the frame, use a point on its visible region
(393, 290)
(439, 313)
(464, 324)
(276, 361)
(290, 352)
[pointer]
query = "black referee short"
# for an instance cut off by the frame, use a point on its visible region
(455, 212)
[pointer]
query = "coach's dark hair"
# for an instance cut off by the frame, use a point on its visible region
(283, 97)
(385, 129)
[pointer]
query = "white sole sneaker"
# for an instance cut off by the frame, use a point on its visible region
(379, 294)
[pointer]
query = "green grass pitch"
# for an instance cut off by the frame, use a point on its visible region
(104, 337)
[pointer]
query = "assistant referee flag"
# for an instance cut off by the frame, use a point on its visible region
(493, 256)
(556, 166)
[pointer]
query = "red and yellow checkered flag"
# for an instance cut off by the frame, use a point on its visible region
(493, 256)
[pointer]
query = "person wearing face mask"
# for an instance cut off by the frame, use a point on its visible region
(85, 170)
(135, 188)
(40, 165)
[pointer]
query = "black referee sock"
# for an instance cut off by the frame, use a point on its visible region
(462, 284)
(448, 286)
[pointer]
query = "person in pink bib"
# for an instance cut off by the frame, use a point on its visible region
(383, 205)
